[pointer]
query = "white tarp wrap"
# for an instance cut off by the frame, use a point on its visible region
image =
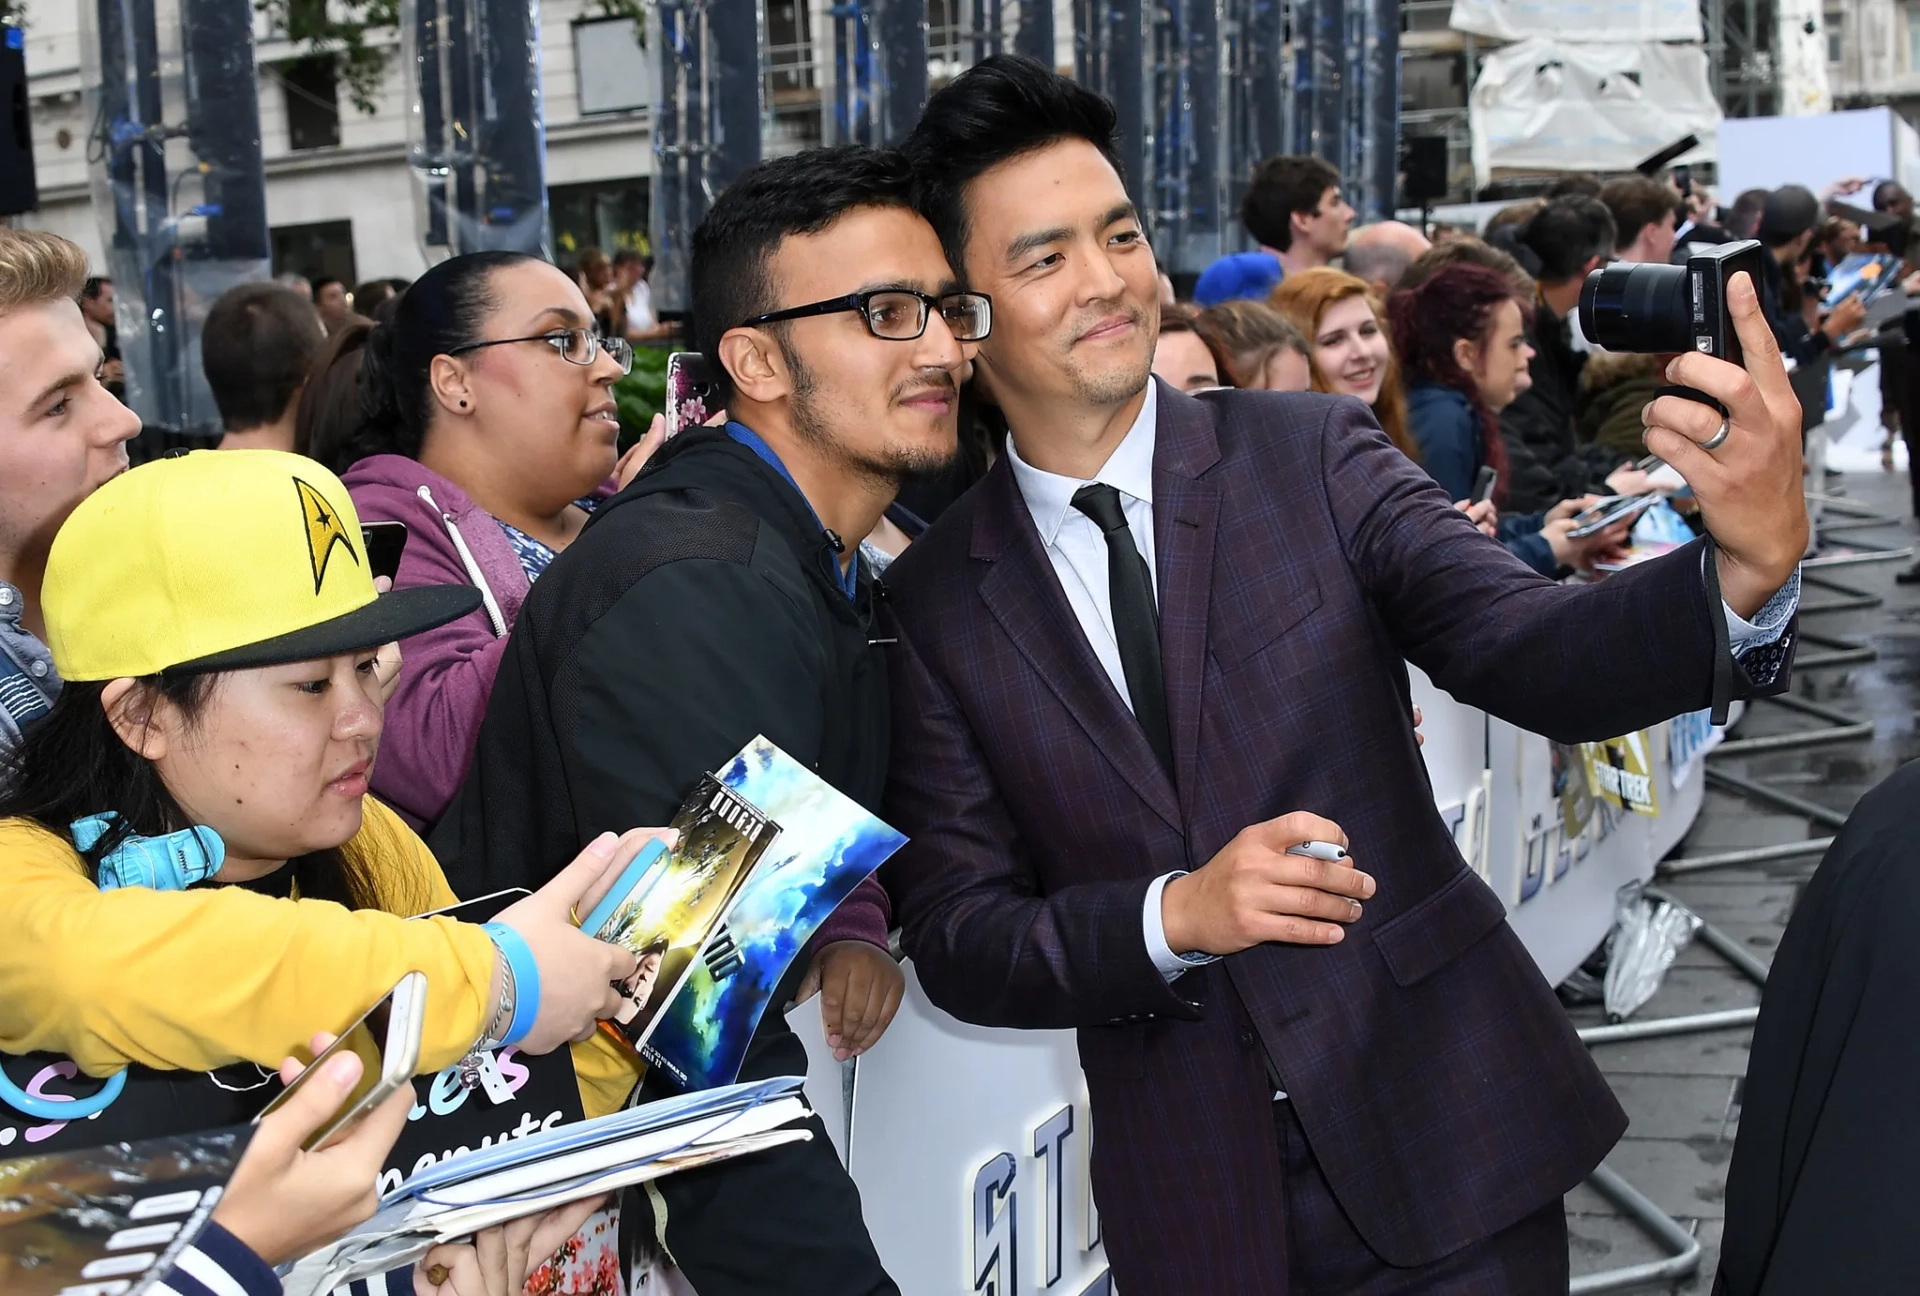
(1547, 105)
(1580, 20)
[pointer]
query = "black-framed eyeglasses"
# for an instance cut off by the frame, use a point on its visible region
(579, 346)
(900, 314)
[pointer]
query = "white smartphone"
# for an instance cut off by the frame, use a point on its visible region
(387, 1038)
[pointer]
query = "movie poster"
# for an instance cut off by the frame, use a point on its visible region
(669, 917)
(109, 1218)
(826, 846)
(1620, 771)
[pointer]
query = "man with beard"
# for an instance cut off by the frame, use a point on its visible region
(721, 596)
(1160, 648)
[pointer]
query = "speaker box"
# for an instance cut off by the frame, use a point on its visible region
(1425, 170)
(18, 191)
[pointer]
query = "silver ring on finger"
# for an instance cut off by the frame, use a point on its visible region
(1718, 439)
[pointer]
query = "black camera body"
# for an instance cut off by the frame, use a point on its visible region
(1631, 306)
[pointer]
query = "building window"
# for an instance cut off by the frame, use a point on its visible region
(1913, 38)
(612, 70)
(312, 92)
(1836, 32)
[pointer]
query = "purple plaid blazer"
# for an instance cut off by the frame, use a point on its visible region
(1302, 560)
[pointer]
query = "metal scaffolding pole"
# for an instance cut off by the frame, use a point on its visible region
(1774, 796)
(1751, 855)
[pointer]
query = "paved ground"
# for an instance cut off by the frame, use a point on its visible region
(1682, 1093)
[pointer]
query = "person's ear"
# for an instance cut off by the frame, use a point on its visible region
(451, 384)
(1466, 354)
(756, 365)
(133, 711)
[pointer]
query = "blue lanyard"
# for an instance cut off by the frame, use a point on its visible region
(849, 578)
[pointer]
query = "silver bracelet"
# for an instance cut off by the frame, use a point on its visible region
(495, 1033)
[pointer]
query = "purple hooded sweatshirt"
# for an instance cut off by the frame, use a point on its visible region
(433, 718)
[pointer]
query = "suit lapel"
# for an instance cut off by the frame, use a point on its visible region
(1185, 514)
(1022, 592)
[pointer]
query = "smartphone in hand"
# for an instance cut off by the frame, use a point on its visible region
(387, 1038)
(690, 391)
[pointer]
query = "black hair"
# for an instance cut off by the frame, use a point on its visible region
(1743, 218)
(256, 345)
(442, 309)
(70, 764)
(777, 200)
(628, 256)
(1886, 194)
(93, 286)
(1280, 186)
(1001, 108)
(1566, 234)
(323, 281)
(1581, 184)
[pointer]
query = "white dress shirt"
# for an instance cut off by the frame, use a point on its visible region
(1078, 549)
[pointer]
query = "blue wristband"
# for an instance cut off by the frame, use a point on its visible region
(526, 979)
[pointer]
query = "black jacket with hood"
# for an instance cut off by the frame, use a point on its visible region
(697, 609)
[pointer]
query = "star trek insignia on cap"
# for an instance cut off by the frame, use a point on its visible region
(221, 560)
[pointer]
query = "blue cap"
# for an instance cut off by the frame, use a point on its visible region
(1237, 275)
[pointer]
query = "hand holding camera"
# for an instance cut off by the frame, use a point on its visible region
(1730, 424)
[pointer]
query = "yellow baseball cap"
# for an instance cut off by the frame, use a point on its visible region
(220, 560)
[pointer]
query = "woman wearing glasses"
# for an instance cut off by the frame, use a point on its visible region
(490, 431)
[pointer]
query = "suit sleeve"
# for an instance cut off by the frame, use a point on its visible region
(989, 948)
(1575, 663)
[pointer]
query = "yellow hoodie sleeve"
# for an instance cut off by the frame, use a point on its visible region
(199, 979)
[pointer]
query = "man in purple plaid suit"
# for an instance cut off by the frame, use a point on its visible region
(1161, 644)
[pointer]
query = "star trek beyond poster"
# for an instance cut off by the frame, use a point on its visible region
(825, 847)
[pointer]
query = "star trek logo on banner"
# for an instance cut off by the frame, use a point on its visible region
(324, 531)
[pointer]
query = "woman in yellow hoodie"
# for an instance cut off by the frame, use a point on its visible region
(193, 879)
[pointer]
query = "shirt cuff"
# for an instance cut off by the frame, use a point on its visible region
(1768, 624)
(1153, 929)
(220, 1263)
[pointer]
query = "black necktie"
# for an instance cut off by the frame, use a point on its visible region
(1136, 623)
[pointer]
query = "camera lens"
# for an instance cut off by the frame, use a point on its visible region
(1635, 306)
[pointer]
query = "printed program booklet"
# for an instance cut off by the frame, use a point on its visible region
(515, 1178)
(794, 849)
(109, 1219)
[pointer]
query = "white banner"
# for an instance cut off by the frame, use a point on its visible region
(1546, 105)
(1580, 20)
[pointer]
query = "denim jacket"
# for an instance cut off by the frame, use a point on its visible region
(28, 681)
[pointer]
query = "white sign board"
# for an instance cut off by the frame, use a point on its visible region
(1767, 152)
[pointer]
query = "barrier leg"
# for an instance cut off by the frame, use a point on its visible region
(1751, 855)
(1662, 1227)
(1785, 800)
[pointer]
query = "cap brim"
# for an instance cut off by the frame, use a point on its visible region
(391, 616)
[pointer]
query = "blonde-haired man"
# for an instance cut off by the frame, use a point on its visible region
(62, 435)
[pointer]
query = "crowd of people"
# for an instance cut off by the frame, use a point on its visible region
(1134, 652)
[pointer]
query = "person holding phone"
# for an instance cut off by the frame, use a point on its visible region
(1461, 336)
(487, 426)
(215, 623)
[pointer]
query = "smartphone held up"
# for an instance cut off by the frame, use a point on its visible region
(387, 1040)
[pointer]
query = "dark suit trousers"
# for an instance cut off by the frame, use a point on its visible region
(1326, 1257)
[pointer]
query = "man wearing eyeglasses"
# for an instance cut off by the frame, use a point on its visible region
(722, 595)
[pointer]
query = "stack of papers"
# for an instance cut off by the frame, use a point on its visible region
(477, 1190)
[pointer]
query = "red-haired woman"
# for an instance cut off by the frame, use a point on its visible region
(1462, 345)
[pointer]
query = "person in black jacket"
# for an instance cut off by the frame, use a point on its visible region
(1559, 245)
(721, 596)
(1787, 224)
